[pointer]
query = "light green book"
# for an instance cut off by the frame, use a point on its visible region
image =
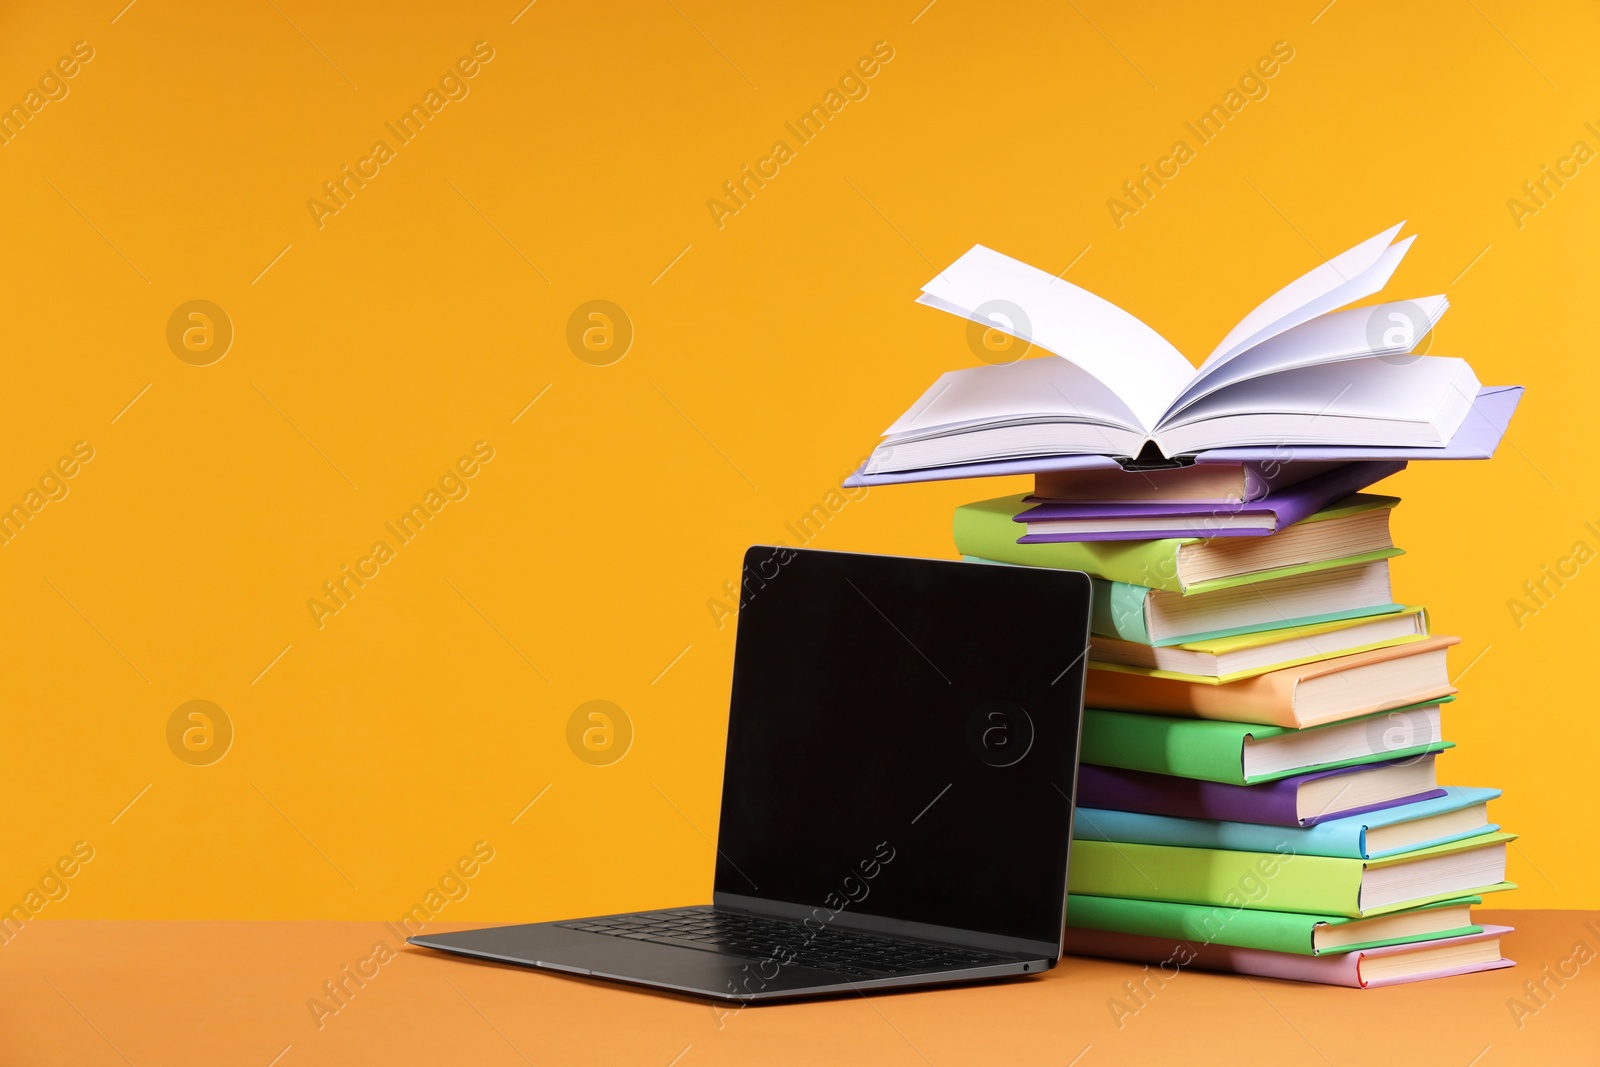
(1241, 753)
(1188, 564)
(1274, 931)
(1282, 881)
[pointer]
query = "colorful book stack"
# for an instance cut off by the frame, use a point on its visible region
(1258, 791)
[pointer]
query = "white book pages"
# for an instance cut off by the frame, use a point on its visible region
(1358, 402)
(1393, 328)
(1273, 315)
(1372, 388)
(1014, 392)
(1128, 357)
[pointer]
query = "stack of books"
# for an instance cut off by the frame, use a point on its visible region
(1258, 791)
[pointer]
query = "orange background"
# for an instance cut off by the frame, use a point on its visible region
(370, 754)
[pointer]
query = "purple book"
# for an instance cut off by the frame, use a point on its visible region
(1339, 968)
(1147, 519)
(1269, 803)
(1476, 439)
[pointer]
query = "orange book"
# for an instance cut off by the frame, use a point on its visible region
(1310, 694)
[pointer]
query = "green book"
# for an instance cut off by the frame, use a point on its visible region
(1273, 931)
(1282, 881)
(1186, 564)
(1241, 753)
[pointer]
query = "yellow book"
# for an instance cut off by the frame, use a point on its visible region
(1226, 659)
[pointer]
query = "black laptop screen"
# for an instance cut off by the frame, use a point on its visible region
(903, 739)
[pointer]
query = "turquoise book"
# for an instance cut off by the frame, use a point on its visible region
(1459, 814)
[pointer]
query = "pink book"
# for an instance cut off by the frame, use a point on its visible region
(1361, 969)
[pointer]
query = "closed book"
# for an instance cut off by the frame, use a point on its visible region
(1359, 532)
(1222, 483)
(1240, 753)
(1160, 618)
(1362, 969)
(1460, 813)
(1050, 521)
(1274, 931)
(1279, 881)
(1299, 800)
(1228, 659)
(1325, 691)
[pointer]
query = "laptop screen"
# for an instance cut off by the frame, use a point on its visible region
(903, 739)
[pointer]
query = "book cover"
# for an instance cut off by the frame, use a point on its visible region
(1345, 836)
(1272, 931)
(1427, 960)
(1268, 803)
(1270, 881)
(1213, 749)
(1290, 646)
(985, 529)
(1281, 698)
(1046, 522)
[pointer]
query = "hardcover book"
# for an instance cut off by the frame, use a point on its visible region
(1282, 881)
(1328, 690)
(1361, 969)
(1272, 931)
(1459, 813)
(1354, 531)
(1294, 371)
(1240, 753)
(1298, 800)
(1050, 520)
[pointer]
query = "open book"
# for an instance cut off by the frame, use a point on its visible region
(1295, 371)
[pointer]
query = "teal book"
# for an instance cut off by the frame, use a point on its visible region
(1460, 813)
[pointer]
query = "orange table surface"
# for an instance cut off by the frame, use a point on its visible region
(81, 992)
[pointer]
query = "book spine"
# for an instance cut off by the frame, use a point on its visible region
(1186, 748)
(1217, 877)
(1274, 931)
(1341, 970)
(1119, 611)
(1342, 840)
(987, 529)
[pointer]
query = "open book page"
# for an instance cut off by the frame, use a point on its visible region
(1357, 402)
(1131, 359)
(1016, 392)
(1292, 304)
(1390, 329)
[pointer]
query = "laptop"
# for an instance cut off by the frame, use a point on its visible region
(897, 796)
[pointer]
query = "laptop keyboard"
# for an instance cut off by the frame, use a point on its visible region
(757, 937)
